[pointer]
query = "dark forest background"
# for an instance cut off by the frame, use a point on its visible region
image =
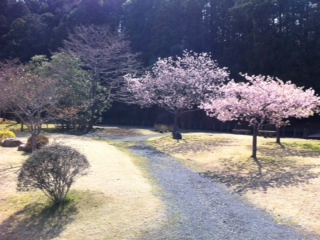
(271, 37)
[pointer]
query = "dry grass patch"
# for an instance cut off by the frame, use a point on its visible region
(39, 219)
(16, 127)
(289, 187)
(122, 131)
(114, 201)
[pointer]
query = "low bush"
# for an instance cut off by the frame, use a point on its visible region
(5, 134)
(162, 128)
(52, 169)
(41, 141)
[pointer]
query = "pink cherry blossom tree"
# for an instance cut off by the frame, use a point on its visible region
(177, 84)
(294, 102)
(262, 99)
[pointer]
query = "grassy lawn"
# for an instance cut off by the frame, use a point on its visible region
(289, 187)
(16, 127)
(9, 125)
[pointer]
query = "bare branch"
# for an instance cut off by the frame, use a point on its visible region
(107, 57)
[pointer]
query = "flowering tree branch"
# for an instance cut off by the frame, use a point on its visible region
(262, 99)
(177, 84)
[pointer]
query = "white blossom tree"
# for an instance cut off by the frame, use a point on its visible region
(177, 84)
(262, 99)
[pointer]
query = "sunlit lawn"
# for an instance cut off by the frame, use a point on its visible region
(289, 187)
(16, 127)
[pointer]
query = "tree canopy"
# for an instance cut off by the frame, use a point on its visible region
(270, 37)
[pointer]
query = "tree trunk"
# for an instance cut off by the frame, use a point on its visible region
(254, 141)
(90, 124)
(278, 135)
(35, 126)
(254, 148)
(21, 127)
(175, 122)
(93, 118)
(33, 142)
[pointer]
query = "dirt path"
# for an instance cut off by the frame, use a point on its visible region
(120, 203)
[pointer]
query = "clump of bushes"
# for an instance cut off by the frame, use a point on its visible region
(162, 128)
(41, 141)
(52, 169)
(5, 134)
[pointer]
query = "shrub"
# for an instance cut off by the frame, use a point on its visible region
(52, 169)
(5, 134)
(41, 141)
(162, 128)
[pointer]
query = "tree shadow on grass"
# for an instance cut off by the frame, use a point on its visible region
(38, 221)
(274, 173)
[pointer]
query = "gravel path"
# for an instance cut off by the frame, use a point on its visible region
(198, 208)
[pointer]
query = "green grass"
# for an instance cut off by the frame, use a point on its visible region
(310, 145)
(37, 204)
(34, 216)
(74, 196)
(305, 146)
(16, 127)
(10, 125)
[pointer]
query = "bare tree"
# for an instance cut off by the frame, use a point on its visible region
(107, 57)
(31, 98)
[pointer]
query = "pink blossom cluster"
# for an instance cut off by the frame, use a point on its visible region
(262, 99)
(177, 84)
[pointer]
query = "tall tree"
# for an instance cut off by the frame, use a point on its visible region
(276, 37)
(27, 36)
(177, 84)
(107, 57)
